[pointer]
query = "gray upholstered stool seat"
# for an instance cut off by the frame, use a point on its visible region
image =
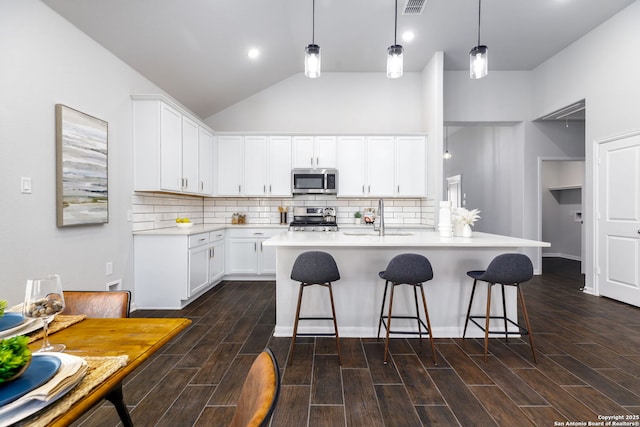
(506, 270)
(314, 268)
(412, 270)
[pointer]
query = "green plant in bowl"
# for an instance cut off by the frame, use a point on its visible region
(15, 357)
(3, 306)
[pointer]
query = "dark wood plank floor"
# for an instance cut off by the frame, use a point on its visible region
(588, 366)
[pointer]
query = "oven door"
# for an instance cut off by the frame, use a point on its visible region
(308, 181)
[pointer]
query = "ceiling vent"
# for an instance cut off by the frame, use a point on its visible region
(414, 7)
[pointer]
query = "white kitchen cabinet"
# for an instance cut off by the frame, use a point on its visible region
(246, 254)
(198, 264)
(352, 160)
(381, 166)
(411, 166)
(206, 161)
(279, 176)
(314, 152)
(167, 148)
(255, 165)
(216, 255)
(230, 165)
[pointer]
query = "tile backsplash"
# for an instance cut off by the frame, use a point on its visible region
(159, 210)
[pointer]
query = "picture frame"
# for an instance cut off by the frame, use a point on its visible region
(82, 185)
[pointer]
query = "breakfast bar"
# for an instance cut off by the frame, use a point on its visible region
(361, 255)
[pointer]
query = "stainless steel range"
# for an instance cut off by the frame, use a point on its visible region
(314, 219)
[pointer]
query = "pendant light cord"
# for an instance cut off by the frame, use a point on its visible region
(479, 9)
(395, 28)
(313, 24)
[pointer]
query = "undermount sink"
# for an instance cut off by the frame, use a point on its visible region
(373, 233)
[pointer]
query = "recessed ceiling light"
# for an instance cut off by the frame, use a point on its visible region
(407, 36)
(253, 53)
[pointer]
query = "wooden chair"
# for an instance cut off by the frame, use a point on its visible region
(259, 393)
(98, 303)
(103, 304)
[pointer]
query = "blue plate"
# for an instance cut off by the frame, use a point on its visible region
(41, 370)
(10, 320)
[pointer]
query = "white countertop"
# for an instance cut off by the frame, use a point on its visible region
(414, 239)
(205, 228)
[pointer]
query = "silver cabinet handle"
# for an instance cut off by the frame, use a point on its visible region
(317, 161)
(264, 189)
(261, 246)
(258, 233)
(369, 191)
(311, 161)
(186, 183)
(362, 188)
(255, 246)
(269, 188)
(202, 240)
(201, 185)
(239, 189)
(398, 189)
(213, 252)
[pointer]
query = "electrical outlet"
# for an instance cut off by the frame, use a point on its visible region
(109, 268)
(25, 185)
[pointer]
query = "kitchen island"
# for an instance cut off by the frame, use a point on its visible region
(360, 255)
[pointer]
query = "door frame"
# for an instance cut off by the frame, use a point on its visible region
(596, 202)
(539, 207)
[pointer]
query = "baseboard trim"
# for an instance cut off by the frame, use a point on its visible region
(559, 255)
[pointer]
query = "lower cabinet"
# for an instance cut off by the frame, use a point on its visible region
(172, 270)
(246, 254)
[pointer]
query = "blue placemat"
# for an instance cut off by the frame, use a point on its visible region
(10, 320)
(42, 369)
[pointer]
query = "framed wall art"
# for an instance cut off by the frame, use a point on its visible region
(81, 168)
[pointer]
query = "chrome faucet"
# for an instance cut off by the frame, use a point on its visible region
(380, 229)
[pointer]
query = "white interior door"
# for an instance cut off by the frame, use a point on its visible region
(619, 219)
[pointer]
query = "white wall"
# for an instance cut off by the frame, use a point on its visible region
(48, 61)
(335, 103)
(602, 68)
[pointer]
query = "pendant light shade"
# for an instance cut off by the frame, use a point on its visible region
(447, 155)
(394, 53)
(479, 55)
(312, 51)
(394, 61)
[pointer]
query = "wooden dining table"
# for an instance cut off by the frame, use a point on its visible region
(136, 338)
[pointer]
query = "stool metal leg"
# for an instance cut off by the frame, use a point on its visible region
(386, 343)
(415, 298)
(526, 321)
(295, 325)
(335, 324)
(466, 323)
(488, 318)
(426, 314)
(384, 298)
(504, 313)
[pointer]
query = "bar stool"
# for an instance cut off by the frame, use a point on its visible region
(506, 270)
(412, 270)
(315, 268)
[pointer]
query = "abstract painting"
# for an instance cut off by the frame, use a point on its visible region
(81, 168)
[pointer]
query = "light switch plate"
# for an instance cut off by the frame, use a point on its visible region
(25, 185)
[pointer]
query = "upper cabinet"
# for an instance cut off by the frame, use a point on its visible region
(313, 152)
(173, 152)
(257, 166)
(382, 166)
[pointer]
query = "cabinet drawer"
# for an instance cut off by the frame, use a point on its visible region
(214, 236)
(198, 239)
(255, 233)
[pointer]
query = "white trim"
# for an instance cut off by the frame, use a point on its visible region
(559, 255)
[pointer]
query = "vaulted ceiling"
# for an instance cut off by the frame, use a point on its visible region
(196, 50)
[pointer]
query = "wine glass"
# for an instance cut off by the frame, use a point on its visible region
(43, 300)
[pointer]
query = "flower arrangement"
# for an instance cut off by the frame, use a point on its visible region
(465, 216)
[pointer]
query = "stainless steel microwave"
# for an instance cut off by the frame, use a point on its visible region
(314, 181)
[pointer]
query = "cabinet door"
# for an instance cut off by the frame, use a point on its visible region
(351, 166)
(170, 148)
(255, 165)
(205, 159)
(242, 256)
(267, 258)
(303, 152)
(216, 261)
(190, 155)
(380, 166)
(325, 151)
(279, 166)
(411, 166)
(198, 269)
(230, 164)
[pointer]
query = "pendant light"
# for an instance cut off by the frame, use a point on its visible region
(478, 57)
(394, 53)
(312, 52)
(447, 154)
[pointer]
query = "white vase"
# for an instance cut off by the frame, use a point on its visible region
(445, 227)
(466, 231)
(457, 228)
(358, 220)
